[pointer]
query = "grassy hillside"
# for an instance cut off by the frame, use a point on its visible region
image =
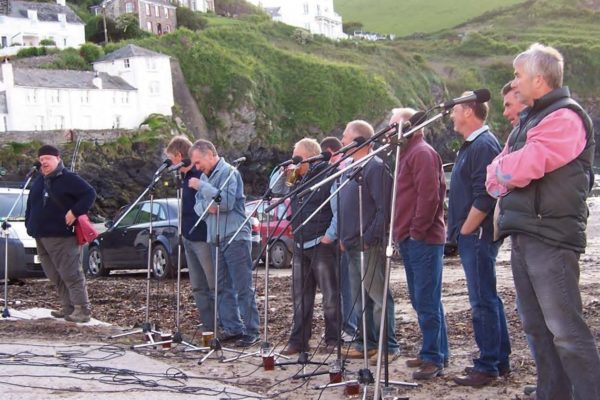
(409, 16)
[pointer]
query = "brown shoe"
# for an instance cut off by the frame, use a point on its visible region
(428, 370)
(290, 350)
(505, 371)
(353, 352)
(474, 379)
(63, 312)
(414, 362)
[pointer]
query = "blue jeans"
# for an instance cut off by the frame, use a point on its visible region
(349, 310)
(374, 280)
(237, 301)
(423, 266)
(478, 258)
(202, 279)
(549, 304)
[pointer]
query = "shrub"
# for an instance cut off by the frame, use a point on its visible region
(47, 42)
(90, 52)
(189, 19)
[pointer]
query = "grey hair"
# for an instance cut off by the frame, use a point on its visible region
(545, 61)
(360, 128)
(311, 146)
(203, 146)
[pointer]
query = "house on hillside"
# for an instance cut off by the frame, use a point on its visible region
(316, 16)
(125, 87)
(155, 16)
(198, 5)
(27, 23)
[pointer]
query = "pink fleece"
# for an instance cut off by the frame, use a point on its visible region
(556, 141)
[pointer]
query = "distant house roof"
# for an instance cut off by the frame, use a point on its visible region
(60, 79)
(47, 12)
(274, 12)
(129, 51)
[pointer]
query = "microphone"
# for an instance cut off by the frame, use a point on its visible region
(165, 164)
(478, 96)
(324, 156)
(294, 160)
(184, 163)
(36, 166)
(239, 160)
(355, 143)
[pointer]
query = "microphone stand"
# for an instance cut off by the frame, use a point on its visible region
(148, 329)
(389, 252)
(265, 345)
(5, 227)
(176, 336)
(215, 343)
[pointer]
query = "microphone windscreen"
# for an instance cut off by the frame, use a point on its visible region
(360, 140)
(37, 164)
(417, 119)
(482, 95)
(186, 162)
(296, 159)
(326, 156)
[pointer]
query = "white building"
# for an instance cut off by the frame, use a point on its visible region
(198, 5)
(316, 16)
(24, 23)
(125, 87)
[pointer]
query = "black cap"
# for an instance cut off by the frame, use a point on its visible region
(48, 150)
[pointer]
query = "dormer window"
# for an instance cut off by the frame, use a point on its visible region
(126, 62)
(32, 15)
(62, 18)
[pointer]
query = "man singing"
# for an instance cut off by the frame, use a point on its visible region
(314, 254)
(238, 313)
(542, 180)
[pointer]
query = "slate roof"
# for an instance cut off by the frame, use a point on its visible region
(64, 79)
(129, 51)
(47, 12)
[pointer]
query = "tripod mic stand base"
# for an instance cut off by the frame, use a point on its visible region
(5, 313)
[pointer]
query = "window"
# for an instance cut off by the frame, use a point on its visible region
(32, 15)
(167, 28)
(149, 26)
(151, 63)
(166, 10)
(126, 63)
(62, 18)
(305, 8)
(129, 218)
(58, 122)
(85, 97)
(5, 119)
(117, 122)
(125, 97)
(32, 95)
(148, 9)
(54, 96)
(4, 41)
(154, 88)
(156, 11)
(39, 123)
(158, 213)
(129, 7)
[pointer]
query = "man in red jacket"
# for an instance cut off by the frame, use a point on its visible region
(419, 231)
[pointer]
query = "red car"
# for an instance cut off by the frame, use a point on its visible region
(281, 250)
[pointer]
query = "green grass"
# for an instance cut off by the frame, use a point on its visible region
(405, 17)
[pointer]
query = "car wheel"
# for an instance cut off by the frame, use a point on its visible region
(162, 267)
(279, 255)
(95, 266)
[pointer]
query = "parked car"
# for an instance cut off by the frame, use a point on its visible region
(125, 245)
(23, 261)
(282, 249)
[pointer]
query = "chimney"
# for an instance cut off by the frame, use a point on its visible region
(61, 3)
(8, 77)
(97, 81)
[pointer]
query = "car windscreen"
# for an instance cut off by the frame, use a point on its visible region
(6, 202)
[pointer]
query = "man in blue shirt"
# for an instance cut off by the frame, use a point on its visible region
(470, 225)
(235, 262)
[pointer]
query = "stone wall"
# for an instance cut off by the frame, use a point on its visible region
(62, 136)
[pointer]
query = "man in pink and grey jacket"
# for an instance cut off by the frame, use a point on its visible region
(542, 178)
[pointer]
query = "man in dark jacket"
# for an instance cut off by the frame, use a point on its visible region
(470, 213)
(376, 195)
(57, 197)
(314, 254)
(542, 178)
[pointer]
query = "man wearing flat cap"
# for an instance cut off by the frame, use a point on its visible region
(57, 197)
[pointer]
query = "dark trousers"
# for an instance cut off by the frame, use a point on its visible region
(549, 303)
(312, 268)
